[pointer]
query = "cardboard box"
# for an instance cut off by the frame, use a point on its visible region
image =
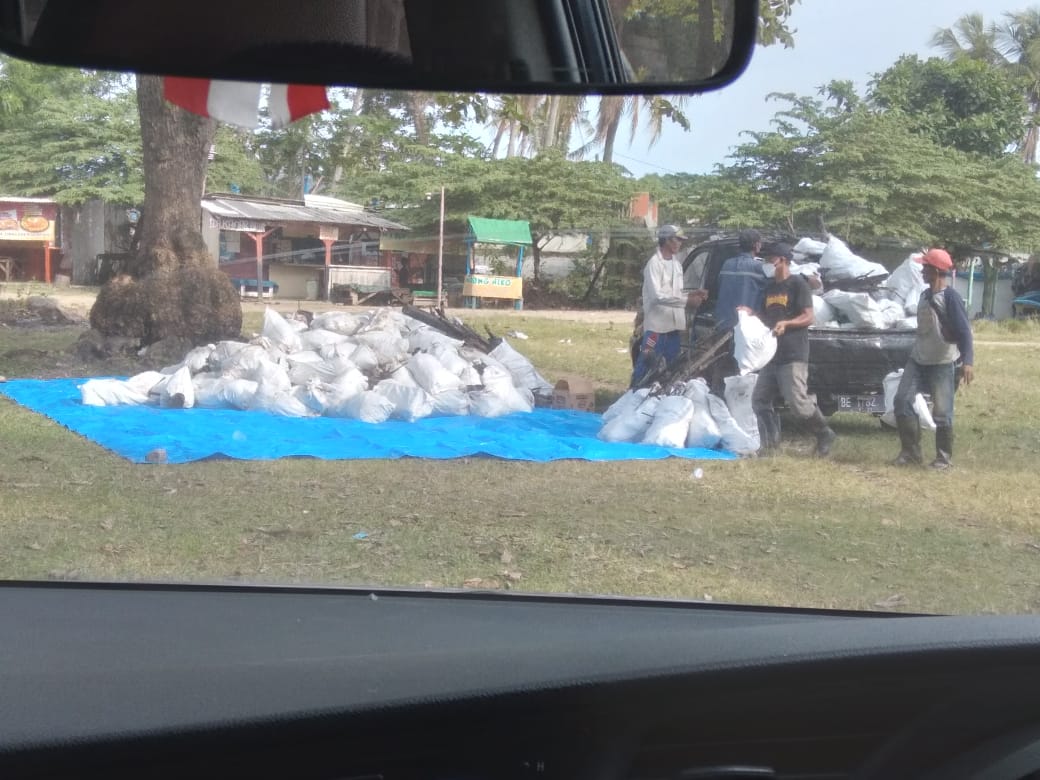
(574, 393)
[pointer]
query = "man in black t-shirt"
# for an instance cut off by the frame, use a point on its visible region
(788, 310)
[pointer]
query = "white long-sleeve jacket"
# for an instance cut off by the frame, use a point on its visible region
(664, 302)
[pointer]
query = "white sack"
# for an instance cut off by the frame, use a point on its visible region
(861, 310)
(523, 372)
(324, 370)
(224, 350)
(313, 395)
(177, 392)
(368, 406)
(626, 403)
(892, 313)
(738, 392)
(704, 431)
(410, 403)
(810, 247)
(110, 392)
(279, 331)
(424, 338)
(237, 393)
(451, 403)
(431, 375)
(347, 384)
(671, 423)
(197, 359)
(499, 394)
(274, 400)
(145, 381)
(753, 343)
(336, 322)
(891, 385)
(823, 312)
(907, 283)
(839, 262)
(631, 425)
(734, 438)
(924, 414)
(317, 339)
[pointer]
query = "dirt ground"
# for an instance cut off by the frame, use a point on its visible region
(80, 299)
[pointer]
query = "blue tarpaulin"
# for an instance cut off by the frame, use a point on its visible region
(195, 434)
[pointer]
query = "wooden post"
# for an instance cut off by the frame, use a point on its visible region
(519, 303)
(440, 257)
(258, 239)
(328, 267)
(47, 262)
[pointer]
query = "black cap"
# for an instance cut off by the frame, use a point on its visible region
(781, 250)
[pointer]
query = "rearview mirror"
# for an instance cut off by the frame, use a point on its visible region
(544, 46)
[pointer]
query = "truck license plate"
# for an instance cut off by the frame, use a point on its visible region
(868, 404)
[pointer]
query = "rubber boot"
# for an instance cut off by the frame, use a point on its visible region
(768, 431)
(824, 435)
(943, 448)
(909, 442)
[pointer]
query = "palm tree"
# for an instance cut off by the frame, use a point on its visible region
(651, 110)
(1014, 45)
(1019, 40)
(969, 38)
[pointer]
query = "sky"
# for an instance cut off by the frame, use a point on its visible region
(834, 39)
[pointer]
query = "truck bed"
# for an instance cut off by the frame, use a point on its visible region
(854, 361)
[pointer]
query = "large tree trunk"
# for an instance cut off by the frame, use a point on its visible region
(552, 122)
(1029, 146)
(174, 145)
(174, 289)
(418, 103)
(990, 276)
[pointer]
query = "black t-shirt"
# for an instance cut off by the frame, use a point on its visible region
(784, 301)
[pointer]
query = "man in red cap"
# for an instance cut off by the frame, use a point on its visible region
(943, 337)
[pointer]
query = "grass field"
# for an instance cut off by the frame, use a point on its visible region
(852, 532)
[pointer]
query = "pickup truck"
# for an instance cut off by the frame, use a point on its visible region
(846, 366)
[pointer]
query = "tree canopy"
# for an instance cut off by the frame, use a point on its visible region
(68, 134)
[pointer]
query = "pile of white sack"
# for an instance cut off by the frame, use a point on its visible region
(690, 417)
(891, 304)
(373, 366)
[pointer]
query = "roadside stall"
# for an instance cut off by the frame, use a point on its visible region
(480, 283)
(297, 249)
(28, 227)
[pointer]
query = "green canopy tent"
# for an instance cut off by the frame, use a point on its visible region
(498, 232)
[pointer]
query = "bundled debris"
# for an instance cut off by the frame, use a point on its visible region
(673, 406)
(698, 362)
(374, 366)
(858, 293)
(685, 415)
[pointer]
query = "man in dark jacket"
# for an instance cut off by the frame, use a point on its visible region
(943, 336)
(788, 311)
(741, 280)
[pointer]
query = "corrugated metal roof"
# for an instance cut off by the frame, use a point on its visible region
(271, 211)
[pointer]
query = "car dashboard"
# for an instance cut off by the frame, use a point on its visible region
(166, 681)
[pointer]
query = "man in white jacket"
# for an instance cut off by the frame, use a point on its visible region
(664, 304)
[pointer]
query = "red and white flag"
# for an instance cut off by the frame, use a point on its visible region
(238, 102)
(289, 102)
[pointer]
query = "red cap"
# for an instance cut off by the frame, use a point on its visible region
(937, 258)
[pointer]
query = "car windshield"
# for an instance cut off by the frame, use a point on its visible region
(774, 345)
